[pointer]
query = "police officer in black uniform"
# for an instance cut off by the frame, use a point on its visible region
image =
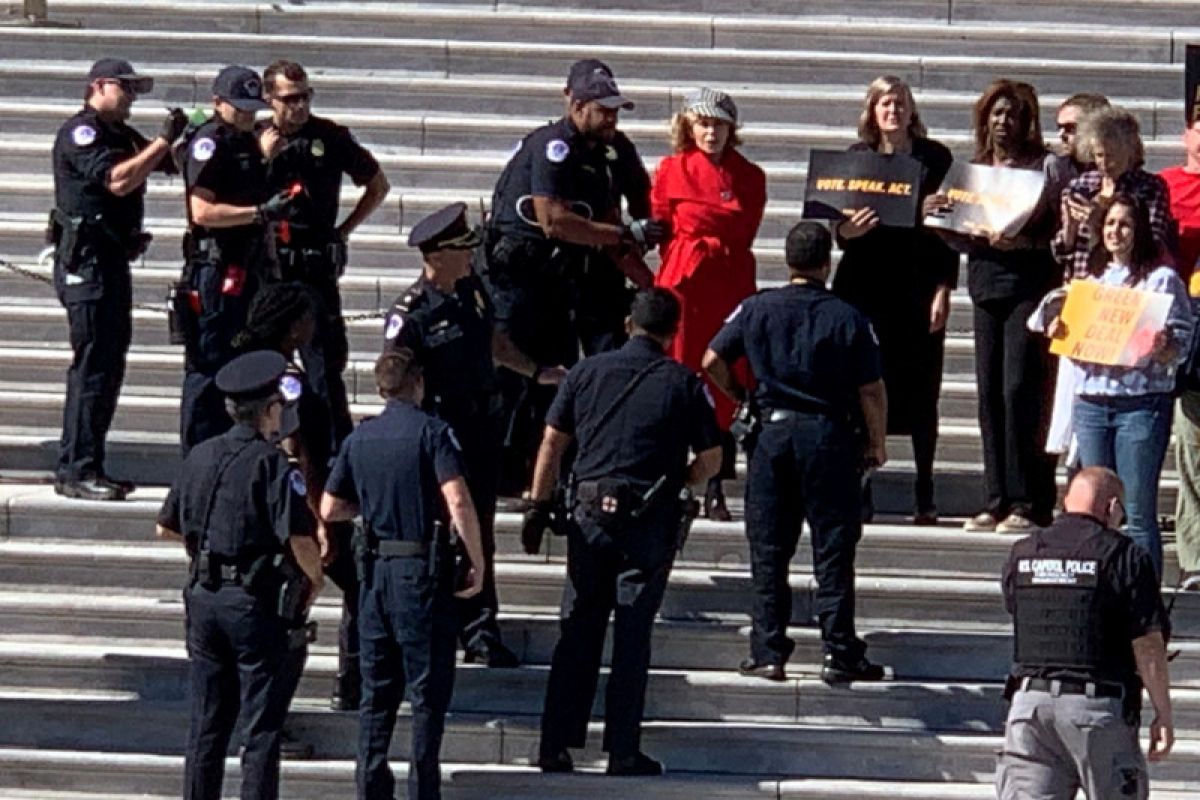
(240, 510)
(1090, 630)
(100, 170)
(314, 153)
(635, 413)
(816, 361)
(553, 206)
(602, 293)
(283, 319)
(228, 249)
(446, 319)
(403, 471)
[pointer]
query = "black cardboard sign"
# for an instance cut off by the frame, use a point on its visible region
(841, 183)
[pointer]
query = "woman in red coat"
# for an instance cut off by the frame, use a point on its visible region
(714, 200)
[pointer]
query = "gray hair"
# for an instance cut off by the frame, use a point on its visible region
(1111, 126)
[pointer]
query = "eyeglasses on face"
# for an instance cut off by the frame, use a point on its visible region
(295, 98)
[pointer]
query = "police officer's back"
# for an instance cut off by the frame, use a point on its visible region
(636, 414)
(240, 510)
(446, 319)
(229, 210)
(816, 363)
(1089, 632)
(100, 170)
(403, 472)
(314, 153)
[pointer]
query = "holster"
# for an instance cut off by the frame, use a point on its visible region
(689, 509)
(517, 258)
(609, 502)
(746, 425)
(62, 230)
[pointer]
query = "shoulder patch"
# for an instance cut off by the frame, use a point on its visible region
(203, 148)
(296, 481)
(557, 151)
(290, 387)
(733, 314)
(394, 324)
(83, 135)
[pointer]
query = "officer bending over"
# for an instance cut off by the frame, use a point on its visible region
(1090, 631)
(636, 414)
(553, 207)
(315, 153)
(100, 170)
(229, 211)
(240, 510)
(446, 318)
(403, 471)
(816, 360)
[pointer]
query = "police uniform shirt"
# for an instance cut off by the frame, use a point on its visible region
(260, 499)
(451, 335)
(228, 163)
(808, 350)
(651, 432)
(393, 467)
(85, 151)
(317, 155)
(554, 161)
(1130, 604)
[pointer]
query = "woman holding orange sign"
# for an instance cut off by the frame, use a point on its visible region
(1122, 414)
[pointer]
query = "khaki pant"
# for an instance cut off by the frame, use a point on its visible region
(1187, 459)
(1055, 745)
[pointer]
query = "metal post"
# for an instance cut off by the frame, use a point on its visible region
(35, 11)
(35, 14)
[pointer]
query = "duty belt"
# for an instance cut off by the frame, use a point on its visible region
(1058, 687)
(397, 548)
(785, 414)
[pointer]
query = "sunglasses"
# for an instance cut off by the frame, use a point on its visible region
(296, 98)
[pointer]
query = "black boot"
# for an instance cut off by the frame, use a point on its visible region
(347, 686)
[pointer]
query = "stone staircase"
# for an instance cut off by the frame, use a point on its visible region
(92, 666)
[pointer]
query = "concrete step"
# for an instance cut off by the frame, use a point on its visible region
(692, 593)
(629, 28)
(84, 672)
(539, 97)
(460, 57)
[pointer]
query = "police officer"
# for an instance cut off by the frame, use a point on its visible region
(283, 318)
(446, 319)
(1090, 631)
(403, 471)
(229, 210)
(602, 294)
(635, 413)
(553, 205)
(816, 361)
(240, 510)
(315, 153)
(100, 170)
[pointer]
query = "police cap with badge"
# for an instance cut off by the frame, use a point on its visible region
(118, 69)
(240, 87)
(591, 80)
(445, 229)
(258, 375)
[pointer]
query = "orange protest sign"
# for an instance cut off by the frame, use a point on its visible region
(1110, 325)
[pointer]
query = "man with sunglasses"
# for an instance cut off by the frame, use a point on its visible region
(1090, 631)
(100, 170)
(446, 318)
(315, 153)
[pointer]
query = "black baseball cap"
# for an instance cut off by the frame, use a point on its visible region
(241, 87)
(592, 80)
(121, 70)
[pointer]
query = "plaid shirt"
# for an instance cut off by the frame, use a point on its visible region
(1147, 187)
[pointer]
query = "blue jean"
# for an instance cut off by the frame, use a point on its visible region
(1129, 435)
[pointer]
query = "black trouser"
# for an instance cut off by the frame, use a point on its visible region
(625, 579)
(602, 305)
(478, 432)
(238, 651)
(202, 413)
(1013, 370)
(407, 629)
(100, 330)
(327, 355)
(344, 574)
(805, 468)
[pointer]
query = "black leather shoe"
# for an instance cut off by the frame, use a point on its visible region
(557, 761)
(88, 489)
(494, 655)
(771, 672)
(638, 764)
(837, 671)
(292, 749)
(126, 487)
